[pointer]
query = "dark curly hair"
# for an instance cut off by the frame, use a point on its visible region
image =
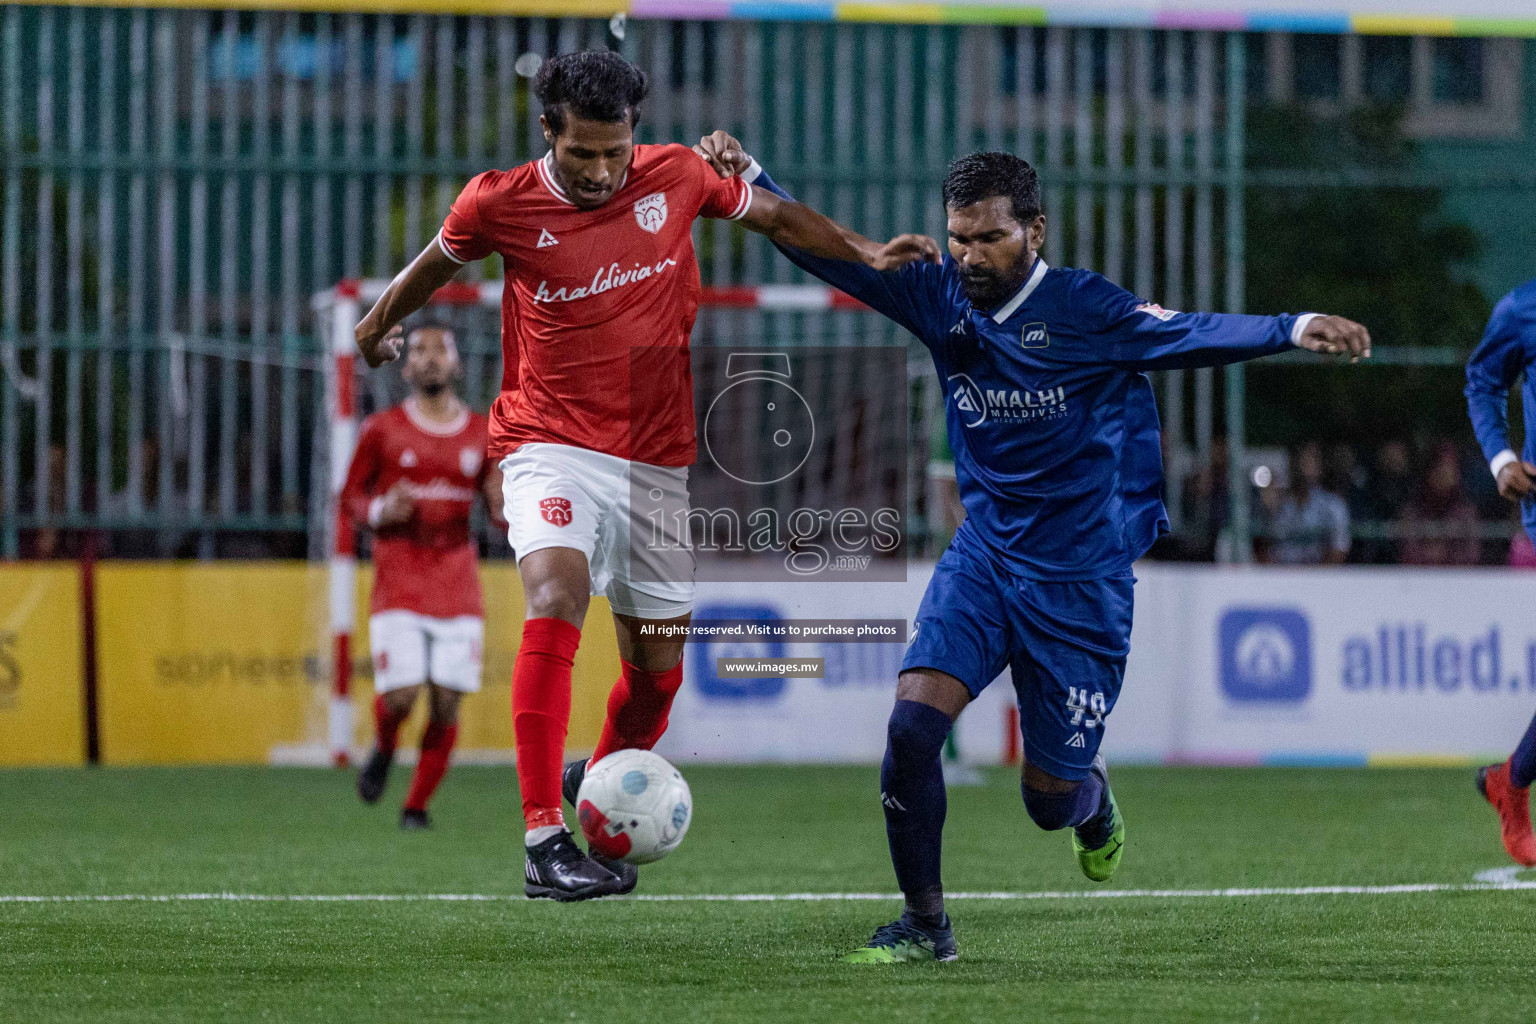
(980, 176)
(597, 85)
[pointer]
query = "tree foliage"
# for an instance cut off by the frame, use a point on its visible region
(1383, 254)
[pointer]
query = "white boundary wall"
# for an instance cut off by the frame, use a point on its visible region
(1231, 665)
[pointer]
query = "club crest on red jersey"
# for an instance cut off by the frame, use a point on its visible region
(556, 511)
(651, 211)
(469, 460)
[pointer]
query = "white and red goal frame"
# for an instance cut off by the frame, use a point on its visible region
(337, 311)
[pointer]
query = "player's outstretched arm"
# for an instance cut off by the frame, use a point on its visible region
(1142, 336)
(379, 338)
(1492, 370)
(908, 292)
(797, 226)
(788, 223)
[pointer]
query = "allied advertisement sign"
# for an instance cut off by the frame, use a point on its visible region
(1352, 665)
(1249, 666)
(836, 711)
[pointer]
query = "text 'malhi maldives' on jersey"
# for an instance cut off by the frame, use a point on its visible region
(598, 304)
(1052, 421)
(426, 564)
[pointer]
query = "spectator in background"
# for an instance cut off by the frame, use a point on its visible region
(1440, 526)
(1306, 524)
(1346, 477)
(1205, 510)
(1393, 483)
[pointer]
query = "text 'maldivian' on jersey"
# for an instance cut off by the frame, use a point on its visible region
(598, 304)
(426, 564)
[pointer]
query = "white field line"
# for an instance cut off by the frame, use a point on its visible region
(792, 897)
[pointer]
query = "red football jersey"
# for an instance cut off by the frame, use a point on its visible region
(426, 564)
(598, 304)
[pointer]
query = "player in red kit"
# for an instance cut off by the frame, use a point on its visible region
(601, 292)
(418, 470)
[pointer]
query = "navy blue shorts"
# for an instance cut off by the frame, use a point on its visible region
(1066, 644)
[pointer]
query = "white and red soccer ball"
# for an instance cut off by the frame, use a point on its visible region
(633, 805)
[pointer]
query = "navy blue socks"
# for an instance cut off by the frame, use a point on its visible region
(1052, 811)
(912, 792)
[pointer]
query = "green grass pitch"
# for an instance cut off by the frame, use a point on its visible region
(1432, 956)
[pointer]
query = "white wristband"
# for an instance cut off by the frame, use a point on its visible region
(375, 510)
(753, 171)
(1499, 461)
(1300, 326)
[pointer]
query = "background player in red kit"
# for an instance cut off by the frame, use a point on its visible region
(602, 289)
(417, 471)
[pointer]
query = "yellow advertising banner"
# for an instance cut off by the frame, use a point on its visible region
(227, 662)
(207, 662)
(42, 702)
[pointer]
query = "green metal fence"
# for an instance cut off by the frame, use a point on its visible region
(178, 183)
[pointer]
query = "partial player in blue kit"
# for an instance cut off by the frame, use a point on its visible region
(1055, 435)
(1508, 349)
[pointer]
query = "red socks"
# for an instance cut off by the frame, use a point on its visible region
(436, 746)
(386, 722)
(541, 714)
(637, 709)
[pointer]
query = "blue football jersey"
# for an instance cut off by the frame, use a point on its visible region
(1050, 414)
(1507, 350)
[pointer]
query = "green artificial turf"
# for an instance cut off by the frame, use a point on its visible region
(1451, 956)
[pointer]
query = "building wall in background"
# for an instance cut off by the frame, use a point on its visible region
(1503, 213)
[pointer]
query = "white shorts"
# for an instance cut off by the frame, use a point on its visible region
(626, 517)
(409, 649)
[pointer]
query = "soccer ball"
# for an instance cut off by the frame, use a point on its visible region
(633, 805)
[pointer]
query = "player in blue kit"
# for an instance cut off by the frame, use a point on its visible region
(1054, 430)
(1507, 350)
